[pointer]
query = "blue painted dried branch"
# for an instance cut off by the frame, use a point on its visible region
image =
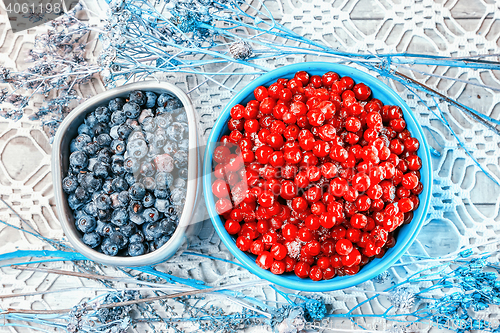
(58, 65)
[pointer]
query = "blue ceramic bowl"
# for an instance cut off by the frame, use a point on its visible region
(407, 233)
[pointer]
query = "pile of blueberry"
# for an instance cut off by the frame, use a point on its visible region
(127, 175)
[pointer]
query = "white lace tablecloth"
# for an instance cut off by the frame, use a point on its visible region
(465, 203)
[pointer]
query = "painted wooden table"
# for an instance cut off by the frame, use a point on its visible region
(465, 203)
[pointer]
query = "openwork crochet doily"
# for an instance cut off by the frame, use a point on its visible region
(465, 203)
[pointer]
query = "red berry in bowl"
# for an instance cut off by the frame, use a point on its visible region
(315, 176)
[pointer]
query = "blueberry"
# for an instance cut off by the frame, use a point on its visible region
(91, 119)
(118, 146)
(104, 215)
(92, 163)
(149, 183)
(168, 102)
(92, 239)
(170, 211)
(85, 129)
(138, 237)
(151, 215)
(184, 144)
(136, 135)
(137, 149)
(161, 241)
(132, 109)
(107, 187)
(150, 99)
(102, 114)
(148, 200)
(100, 128)
(119, 184)
(124, 131)
(103, 201)
(86, 223)
(74, 202)
(100, 170)
(104, 229)
(119, 239)
(180, 159)
(162, 194)
(138, 97)
(163, 180)
(128, 229)
(117, 158)
(136, 249)
(114, 201)
(153, 152)
(103, 140)
(118, 118)
(182, 117)
(183, 173)
(147, 169)
(137, 218)
(168, 227)
(164, 120)
(123, 198)
(170, 147)
(119, 217)
(175, 132)
(137, 191)
(69, 184)
(81, 194)
(104, 155)
(130, 178)
(149, 124)
(90, 209)
(91, 149)
(81, 141)
(181, 183)
(116, 104)
(81, 177)
(135, 207)
(151, 230)
(92, 184)
(113, 132)
(131, 165)
(117, 167)
(161, 205)
(109, 248)
(152, 246)
(134, 125)
(178, 196)
(149, 137)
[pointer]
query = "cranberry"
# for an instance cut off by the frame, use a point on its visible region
(352, 158)
(223, 205)
(220, 189)
(265, 260)
(353, 258)
(316, 274)
(279, 251)
(302, 270)
(410, 181)
(358, 221)
(232, 227)
(344, 247)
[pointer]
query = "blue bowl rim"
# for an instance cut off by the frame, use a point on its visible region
(338, 282)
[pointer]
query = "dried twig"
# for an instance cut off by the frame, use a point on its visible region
(112, 305)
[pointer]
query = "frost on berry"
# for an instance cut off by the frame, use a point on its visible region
(164, 163)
